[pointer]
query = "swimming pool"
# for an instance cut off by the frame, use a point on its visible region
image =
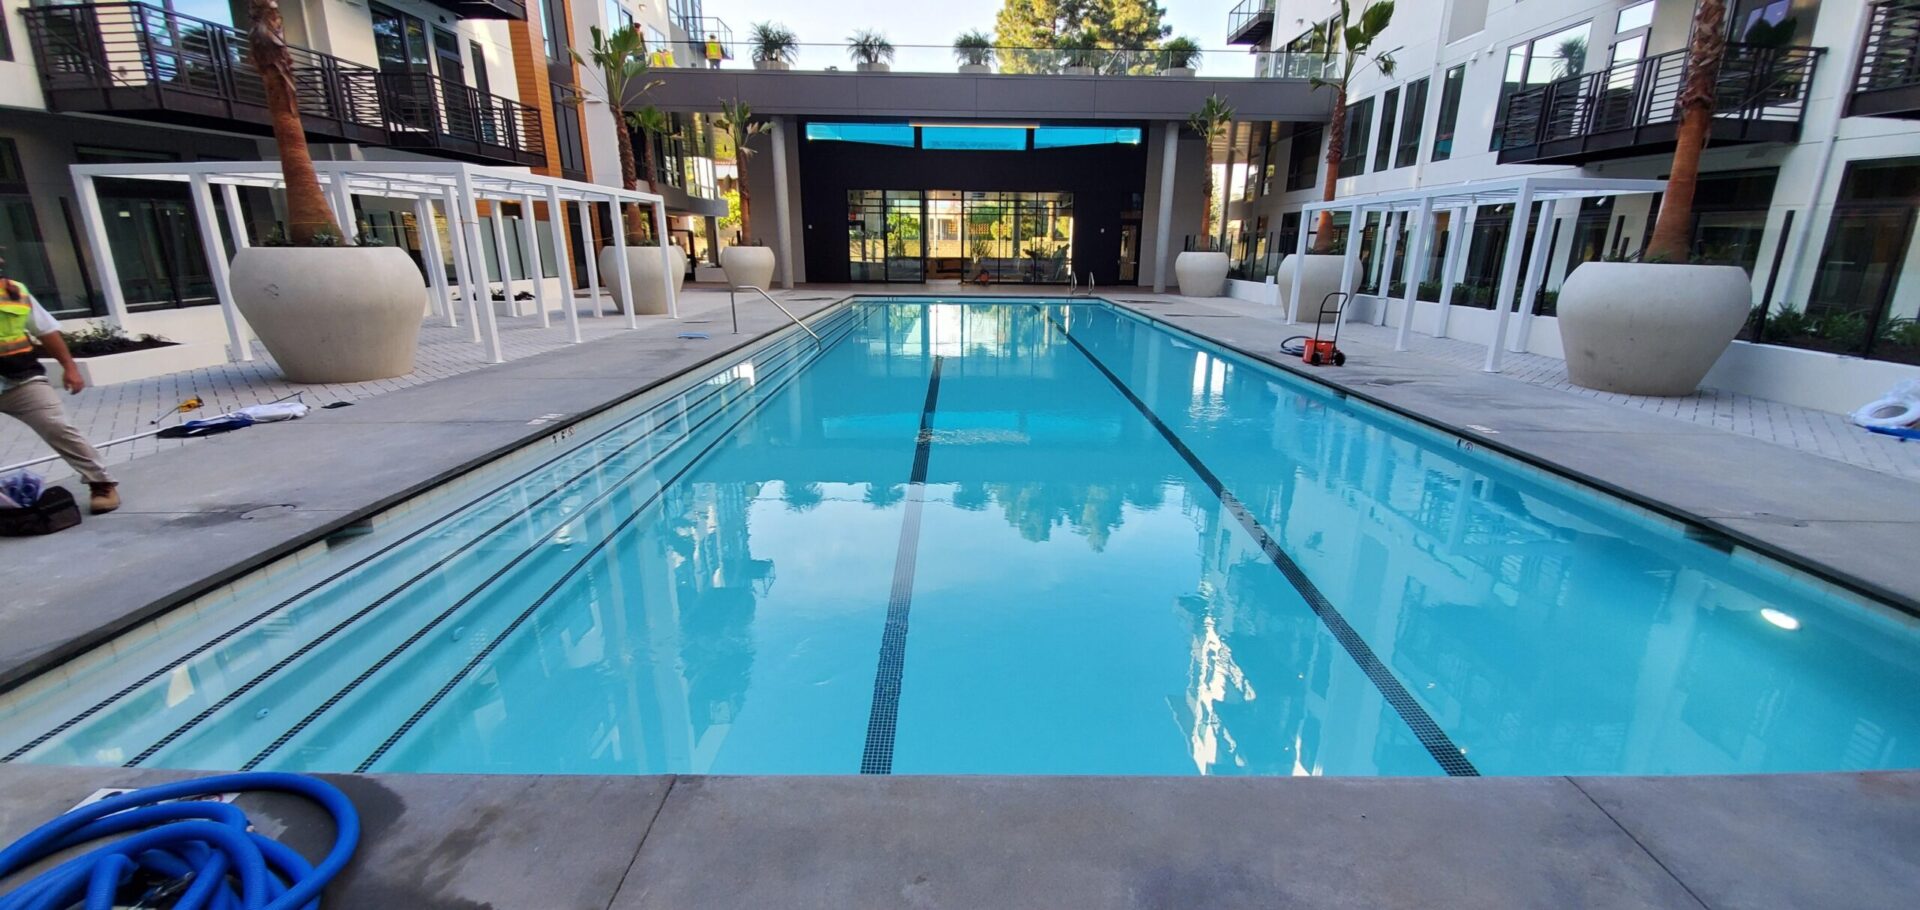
(1004, 536)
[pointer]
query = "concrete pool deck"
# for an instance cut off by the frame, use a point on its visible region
(202, 513)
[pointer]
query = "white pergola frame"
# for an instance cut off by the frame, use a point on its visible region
(1463, 199)
(456, 187)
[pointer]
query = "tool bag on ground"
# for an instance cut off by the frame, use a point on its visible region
(55, 510)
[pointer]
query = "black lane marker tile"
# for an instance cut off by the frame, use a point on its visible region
(1436, 741)
(876, 757)
(249, 622)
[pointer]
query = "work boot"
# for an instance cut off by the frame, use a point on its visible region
(105, 498)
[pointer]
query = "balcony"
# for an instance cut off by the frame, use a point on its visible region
(1888, 84)
(1251, 22)
(484, 9)
(1632, 109)
(453, 120)
(146, 63)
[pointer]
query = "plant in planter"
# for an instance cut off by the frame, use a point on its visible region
(1349, 41)
(101, 339)
(1657, 326)
(870, 50)
(1079, 54)
(618, 59)
(1180, 56)
(1202, 272)
(775, 46)
(293, 297)
(746, 266)
(975, 52)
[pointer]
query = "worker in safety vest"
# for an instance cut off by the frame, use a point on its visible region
(25, 394)
(662, 58)
(715, 53)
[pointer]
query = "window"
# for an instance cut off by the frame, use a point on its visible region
(617, 16)
(1769, 23)
(981, 138)
(1535, 63)
(566, 131)
(1450, 87)
(1730, 215)
(20, 232)
(1413, 118)
(1630, 31)
(1303, 158)
(1047, 137)
(1469, 17)
(481, 80)
(1353, 153)
(1383, 151)
(900, 134)
(1859, 302)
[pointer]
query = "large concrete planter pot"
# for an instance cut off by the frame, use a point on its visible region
(975, 69)
(643, 268)
(332, 314)
(1076, 71)
(1320, 277)
(747, 266)
(873, 67)
(1177, 71)
(1642, 328)
(772, 65)
(1201, 274)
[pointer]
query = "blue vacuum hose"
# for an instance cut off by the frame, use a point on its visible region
(197, 850)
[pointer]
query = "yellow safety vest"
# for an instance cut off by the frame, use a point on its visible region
(15, 314)
(713, 50)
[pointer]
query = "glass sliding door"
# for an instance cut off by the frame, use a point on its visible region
(905, 240)
(866, 236)
(968, 235)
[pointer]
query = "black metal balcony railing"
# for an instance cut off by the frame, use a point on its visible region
(1888, 83)
(427, 112)
(1250, 22)
(1633, 108)
(148, 63)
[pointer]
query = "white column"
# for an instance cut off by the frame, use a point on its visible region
(530, 238)
(1509, 275)
(1391, 228)
(556, 218)
(103, 268)
(236, 222)
(506, 266)
(666, 259)
(1299, 265)
(483, 311)
(1416, 263)
(343, 207)
(237, 347)
(783, 227)
(1536, 268)
(1459, 242)
(591, 255)
(625, 274)
(1164, 217)
(462, 270)
(1350, 263)
(430, 258)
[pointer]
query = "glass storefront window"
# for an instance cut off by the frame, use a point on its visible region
(897, 134)
(911, 235)
(977, 138)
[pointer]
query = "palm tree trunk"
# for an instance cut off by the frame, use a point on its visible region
(1336, 147)
(631, 211)
(1206, 191)
(740, 183)
(1673, 232)
(307, 209)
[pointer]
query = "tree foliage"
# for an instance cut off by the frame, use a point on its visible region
(1109, 23)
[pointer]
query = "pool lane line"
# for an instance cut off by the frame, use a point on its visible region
(876, 756)
(307, 647)
(1436, 741)
(780, 351)
(480, 656)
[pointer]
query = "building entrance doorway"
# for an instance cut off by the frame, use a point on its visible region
(928, 235)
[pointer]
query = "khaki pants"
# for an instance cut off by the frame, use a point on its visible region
(37, 405)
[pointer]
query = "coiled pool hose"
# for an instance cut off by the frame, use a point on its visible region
(192, 852)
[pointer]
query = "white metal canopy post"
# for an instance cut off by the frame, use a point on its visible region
(1349, 262)
(530, 239)
(103, 265)
(1536, 269)
(1164, 218)
(1509, 275)
(462, 269)
(489, 326)
(782, 229)
(1458, 244)
(587, 252)
(556, 228)
(666, 257)
(1299, 266)
(217, 268)
(237, 225)
(430, 257)
(498, 221)
(1416, 258)
(620, 266)
(1383, 292)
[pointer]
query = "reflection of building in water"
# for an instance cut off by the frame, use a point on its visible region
(716, 580)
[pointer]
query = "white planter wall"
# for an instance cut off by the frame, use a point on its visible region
(132, 366)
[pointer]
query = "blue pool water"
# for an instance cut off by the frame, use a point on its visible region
(1004, 537)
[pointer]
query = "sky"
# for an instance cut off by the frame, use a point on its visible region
(936, 22)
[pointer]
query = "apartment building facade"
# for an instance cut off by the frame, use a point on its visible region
(1810, 180)
(484, 81)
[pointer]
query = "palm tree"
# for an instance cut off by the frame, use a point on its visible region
(736, 120)
(620, 60)
(1209, 121)
(651, 122)
(309, 219)
(1673, 231)
(1352, 41)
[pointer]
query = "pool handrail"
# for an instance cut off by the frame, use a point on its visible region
(763, 292)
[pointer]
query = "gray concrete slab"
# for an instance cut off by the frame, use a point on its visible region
(1002, 842)
(428, 842)
(1788, 840)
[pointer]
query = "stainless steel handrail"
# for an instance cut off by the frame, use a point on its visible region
(763, 292)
